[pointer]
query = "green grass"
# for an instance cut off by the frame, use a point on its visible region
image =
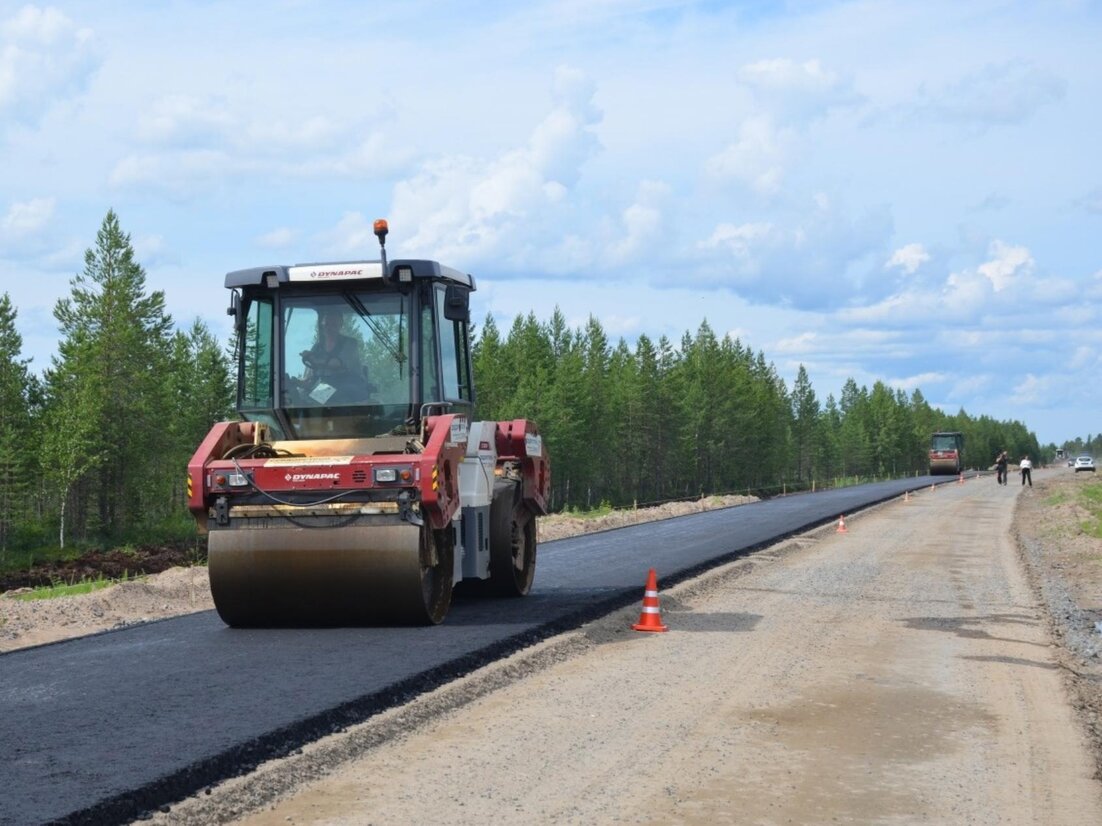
(1090, 498)
(84, 586)
(1059, 498)
(603, 509)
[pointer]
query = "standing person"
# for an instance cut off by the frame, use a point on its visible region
(1000, 468)
(1026, 467)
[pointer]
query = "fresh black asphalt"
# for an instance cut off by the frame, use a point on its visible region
(104, 728)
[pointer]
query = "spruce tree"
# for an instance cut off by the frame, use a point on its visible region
(200, 388)
(805, 414)
(107, 385)
(16, 447)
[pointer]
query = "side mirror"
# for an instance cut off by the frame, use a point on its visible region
(235, 310)
(457, 304)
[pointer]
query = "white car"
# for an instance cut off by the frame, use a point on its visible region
(1084, 463)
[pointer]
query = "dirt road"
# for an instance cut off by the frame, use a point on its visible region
(898, 673)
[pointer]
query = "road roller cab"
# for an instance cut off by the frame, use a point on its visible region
(355, 488)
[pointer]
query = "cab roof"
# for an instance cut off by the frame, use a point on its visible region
(345, 272)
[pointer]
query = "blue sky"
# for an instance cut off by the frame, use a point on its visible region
(895, 191)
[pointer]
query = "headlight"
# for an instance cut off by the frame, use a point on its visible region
(391, 475)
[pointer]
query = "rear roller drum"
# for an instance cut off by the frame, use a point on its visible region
(512, 541)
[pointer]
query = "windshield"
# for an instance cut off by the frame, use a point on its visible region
(943, 442)
(346, 363)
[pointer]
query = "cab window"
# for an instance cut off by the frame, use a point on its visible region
(454, 364)
(256, 365)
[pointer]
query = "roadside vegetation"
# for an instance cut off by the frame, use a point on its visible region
(93, 448)
(71, 589)
(1090, 499)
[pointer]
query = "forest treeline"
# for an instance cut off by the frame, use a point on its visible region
(94, 449)
(709, 415)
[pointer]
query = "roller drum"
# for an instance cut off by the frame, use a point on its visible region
(337, 576)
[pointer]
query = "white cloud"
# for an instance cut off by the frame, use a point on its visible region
(993, 203)
(1092, 201)
(615, 324)
(786, 97)
(997, 285)
(965, 294)
(148, 245)
(1001, 94)
(353, 235)
(797, 91)
(973, 385)
(1007, 264)
(277, 238)
(1034, 389)
(27, 217)
(180, 174)
(192, 143)
(641, 225)
(465, 208)
(44, 57)
(803, 343)
(1084, 357)
(1094, 286)
(185, 120)
(743, 240)
(908, 258)
(810, 263)
(151, 251)
(919, 381)
(755, 158)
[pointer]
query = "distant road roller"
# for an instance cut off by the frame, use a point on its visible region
(946, 453)
(356, 489)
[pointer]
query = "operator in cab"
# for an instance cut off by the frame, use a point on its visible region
(333, 364)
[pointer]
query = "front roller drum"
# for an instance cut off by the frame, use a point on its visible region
(340, 576)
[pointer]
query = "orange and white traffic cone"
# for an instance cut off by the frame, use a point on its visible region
(960, 481)
(651, 617)
(906, 496)
(933, 488)
(842, 524)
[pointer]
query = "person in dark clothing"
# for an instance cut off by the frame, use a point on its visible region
(333, 363)
(1000, 468)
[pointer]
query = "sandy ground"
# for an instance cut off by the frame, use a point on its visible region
(906, 671)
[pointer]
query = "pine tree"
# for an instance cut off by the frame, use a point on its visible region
(854, 436)
(564, 425)
(16, 449)
(805, 415)
(201, 392)
(493, 387)
(654, 422)
(108, 401)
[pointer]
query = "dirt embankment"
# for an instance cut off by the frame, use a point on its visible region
(1064, 565)
(177, 585)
